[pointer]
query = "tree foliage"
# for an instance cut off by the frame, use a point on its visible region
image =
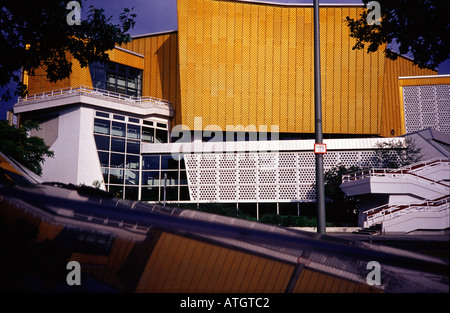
(36, 34)
(28, 150)
(419, 28)
(395, 154)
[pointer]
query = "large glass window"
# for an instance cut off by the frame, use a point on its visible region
(128, 174)
(117, 78)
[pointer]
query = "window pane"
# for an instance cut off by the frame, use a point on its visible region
(134, 131)
(118, 129)
(104, 158)
(121, 87)
(105, 173)
(132, 178)
(102, 142)
(148, 134)
(150, 178)
(184, 193)
(133, 147)
(161, 135)
(101, 126)
(131, 193)
(149, 193)
(115, 176)
(119, 117)
(168, 162)
(132, 162)
(172, 178)
(117, 160)
(183, 178)
(102, 114)
(131, 83)
(150, 162)
(171, 193)
(117, 191)
(118, 145)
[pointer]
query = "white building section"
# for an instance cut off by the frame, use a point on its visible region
(263, 171)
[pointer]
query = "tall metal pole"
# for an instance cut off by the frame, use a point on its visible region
(320, 187)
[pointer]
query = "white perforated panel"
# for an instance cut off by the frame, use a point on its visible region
(264, 177)
(427, 107)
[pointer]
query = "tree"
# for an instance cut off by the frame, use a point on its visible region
(343, 207)
(419, 28)
(37, 34)
(29, 151)
(395, 154)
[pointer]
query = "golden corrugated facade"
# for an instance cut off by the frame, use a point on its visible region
(247, 63)
(160, 78)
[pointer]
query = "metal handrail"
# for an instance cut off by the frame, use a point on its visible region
(386, 211)
(406, 170)
(91, 90)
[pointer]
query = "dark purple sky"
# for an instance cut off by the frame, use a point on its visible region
(161, 15)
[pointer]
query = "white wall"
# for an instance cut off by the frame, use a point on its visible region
(75, 160)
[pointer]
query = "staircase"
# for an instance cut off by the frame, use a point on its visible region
(418, 196)
(371, 230)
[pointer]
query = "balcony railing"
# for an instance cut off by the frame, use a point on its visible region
(92, 91)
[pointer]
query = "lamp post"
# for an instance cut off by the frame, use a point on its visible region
(320, 187)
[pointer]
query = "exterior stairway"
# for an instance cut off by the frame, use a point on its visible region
(418, 196)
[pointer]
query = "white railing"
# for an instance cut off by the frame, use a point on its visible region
(409, 170)
(386, 212)
(92, 91)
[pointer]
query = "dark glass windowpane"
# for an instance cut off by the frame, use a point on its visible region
(148, 134)
(102, 126)
(118, 129)
(131, 193)
(171, 178)
(150, 178)
(105, 173)
(184, 193)
(150, 162)
(132, 162)
(118, 145)
(102, 142)
(168, 163)
(134, 131)
(133, 147)
(131, 177)
(117, 160)
(149, 194)
(117, 191)
(171, 193)
(115, 176)
(104, 158)
(161, 136)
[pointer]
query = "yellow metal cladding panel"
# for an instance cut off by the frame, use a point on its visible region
(179, 264)
(160, 67)
(392, 117)
(253, 64)
(420, 81)
(39, 82)
(311, 281)
(126, 58)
